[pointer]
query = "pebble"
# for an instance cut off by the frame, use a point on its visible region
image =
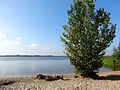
(70, 84)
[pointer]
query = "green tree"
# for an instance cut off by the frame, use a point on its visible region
(119, 51)
(86, 35)
(116, 52)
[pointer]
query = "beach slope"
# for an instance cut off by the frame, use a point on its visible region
(109, 81)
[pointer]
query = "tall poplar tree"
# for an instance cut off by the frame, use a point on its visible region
(86, 35)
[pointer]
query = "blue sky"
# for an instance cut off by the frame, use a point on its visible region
(35, 26)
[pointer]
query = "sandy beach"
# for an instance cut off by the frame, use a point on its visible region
(109, 81)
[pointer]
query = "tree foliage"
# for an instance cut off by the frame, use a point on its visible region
(86, 35)
(116, 52)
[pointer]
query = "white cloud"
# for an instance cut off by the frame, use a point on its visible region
(10, 43)
(18, 38)
(33, 45)
(44, 49)
(2, 35)
(17, 43)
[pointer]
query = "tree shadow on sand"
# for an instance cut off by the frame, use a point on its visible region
(109, 77)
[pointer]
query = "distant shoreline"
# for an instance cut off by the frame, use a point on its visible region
(30, 56)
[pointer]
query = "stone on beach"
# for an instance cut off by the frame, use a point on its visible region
(49, 77)
(40, 76)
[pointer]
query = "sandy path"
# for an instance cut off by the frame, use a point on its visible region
(111, 81)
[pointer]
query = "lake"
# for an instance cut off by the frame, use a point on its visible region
(10, 66)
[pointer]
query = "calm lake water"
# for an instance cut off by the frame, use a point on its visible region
(10, 66)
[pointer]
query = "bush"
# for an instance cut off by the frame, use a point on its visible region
(87, 34)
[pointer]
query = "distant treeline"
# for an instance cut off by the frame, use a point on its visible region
(26, 55)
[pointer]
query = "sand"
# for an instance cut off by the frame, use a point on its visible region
(109, 81)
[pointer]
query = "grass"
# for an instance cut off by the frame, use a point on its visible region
(108, 60)
(108, 63)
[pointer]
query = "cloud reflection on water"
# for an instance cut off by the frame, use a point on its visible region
(33, 65)
(27, 66)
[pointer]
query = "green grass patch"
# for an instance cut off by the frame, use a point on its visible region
(110, 62)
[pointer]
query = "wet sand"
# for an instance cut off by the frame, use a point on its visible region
(108, 81)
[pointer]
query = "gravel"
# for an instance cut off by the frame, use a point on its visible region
(109, 81)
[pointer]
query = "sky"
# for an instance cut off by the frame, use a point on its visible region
(34, 26)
